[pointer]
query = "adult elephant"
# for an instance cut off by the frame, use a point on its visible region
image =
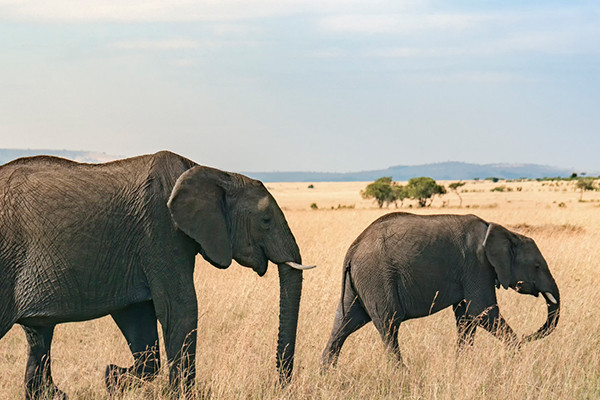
(406, 266)
(80, 241)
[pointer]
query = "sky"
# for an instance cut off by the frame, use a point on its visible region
(305, 85)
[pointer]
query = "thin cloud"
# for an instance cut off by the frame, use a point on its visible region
(184, 63)
(179, 10)
(399, 23)
(175, 44)
(483, 77)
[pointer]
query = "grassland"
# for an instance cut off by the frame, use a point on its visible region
(238, 314)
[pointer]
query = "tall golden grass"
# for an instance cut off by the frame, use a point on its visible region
(238, 314)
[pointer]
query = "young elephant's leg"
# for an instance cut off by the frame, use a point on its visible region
(38, 374)
(138, 324)
(465, 324)
(350, 316)
(383, 306)
(388, 327)
(493, 322)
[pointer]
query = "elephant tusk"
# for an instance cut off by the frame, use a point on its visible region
(550, 297)
(299, 266)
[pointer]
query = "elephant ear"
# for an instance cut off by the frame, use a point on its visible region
(197, 205)
(498, 245)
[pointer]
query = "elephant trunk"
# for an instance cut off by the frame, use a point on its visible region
(290, 282)
(553, 303)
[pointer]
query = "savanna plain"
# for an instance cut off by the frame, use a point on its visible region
(238, 313)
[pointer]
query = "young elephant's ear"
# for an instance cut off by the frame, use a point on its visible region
(498, 247)
(197, 205)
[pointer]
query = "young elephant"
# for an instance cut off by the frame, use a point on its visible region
(406, 266)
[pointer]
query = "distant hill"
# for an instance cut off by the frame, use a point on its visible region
(7, 155)
(439, 171)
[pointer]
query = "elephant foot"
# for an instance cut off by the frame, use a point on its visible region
(327, 365)
(117, 379)
(329, 359)
(59, 394)
(52, 392)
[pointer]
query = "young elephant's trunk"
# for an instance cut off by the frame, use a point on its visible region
(290, 281)
(553, 303)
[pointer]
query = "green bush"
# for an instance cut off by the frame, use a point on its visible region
(585, 184)
(423, 189)
(385, 191)
(454, 186)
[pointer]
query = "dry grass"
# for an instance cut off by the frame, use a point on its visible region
(239, 313)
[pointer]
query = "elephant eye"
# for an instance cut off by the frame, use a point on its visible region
(266, 220)
(537, 266)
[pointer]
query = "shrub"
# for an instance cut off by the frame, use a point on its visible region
(585, 184)
(454, 186)
(423, 189)
(380, 190)
(314, 206)
(385, 191)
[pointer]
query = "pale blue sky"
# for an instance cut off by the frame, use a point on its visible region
(319, 85)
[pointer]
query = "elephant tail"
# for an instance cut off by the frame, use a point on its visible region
(346, 280)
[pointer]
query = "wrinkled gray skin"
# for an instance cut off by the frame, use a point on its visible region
(80, 241)
(406, 266)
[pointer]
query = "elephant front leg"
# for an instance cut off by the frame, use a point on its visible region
(38, 374)
(180, 344)
(466, 326)
(138, 324)
(492, 321)
(177, 312)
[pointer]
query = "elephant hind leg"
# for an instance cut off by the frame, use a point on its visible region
(388, 327)
(138, 324)
(345, 323)
(38, 373)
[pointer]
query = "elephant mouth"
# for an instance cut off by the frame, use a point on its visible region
(261, 263)
(255, 259)
(524, 287)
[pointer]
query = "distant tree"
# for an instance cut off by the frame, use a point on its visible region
(380, 190)
(423, 189)
(585, 184)
(454, 186)
(385, 191)
(399, 193)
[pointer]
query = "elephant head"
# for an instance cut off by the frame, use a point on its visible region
(519, 264)
(234, 217)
